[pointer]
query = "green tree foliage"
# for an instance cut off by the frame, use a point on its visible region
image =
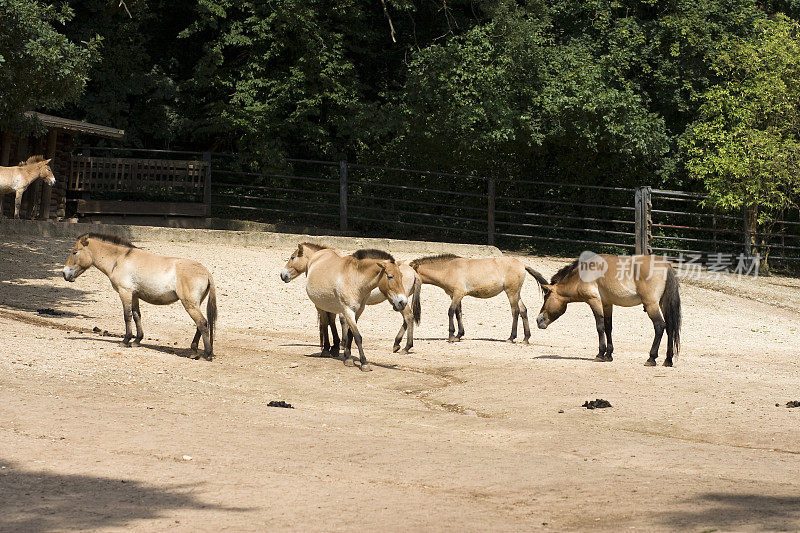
(39, 66)
(745, 145)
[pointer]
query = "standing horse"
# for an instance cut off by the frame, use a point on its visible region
(341, 285)
(412, 285)
(480, 278)
(136, 274)
(18, 179)
(603, 281)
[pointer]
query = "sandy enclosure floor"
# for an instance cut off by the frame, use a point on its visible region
(479, 435)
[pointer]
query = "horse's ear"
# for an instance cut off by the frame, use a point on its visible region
(84, 240)
(47, 161)
(300, 250)
(547, 288)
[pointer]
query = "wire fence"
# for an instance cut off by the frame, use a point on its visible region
(511, 213)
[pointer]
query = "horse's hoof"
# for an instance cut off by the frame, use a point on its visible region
(366, 367)
(608, 358)
(126, 344)
(453, 339)
(667, 363)
(650, 362)
(349, 362)
(136, 343)
(511, 341)
(193, 349)
(196, 356)
(599, 358)
(395, 348)
(404, 351)
(526, 341)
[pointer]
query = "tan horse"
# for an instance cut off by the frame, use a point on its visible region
(340, 286)
(603, 281)
(412, 285)
(136, 274)
(18, 179)
(480, 278)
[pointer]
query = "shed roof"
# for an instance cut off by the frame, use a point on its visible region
(52, 121)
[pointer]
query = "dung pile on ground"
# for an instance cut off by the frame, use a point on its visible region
(793, 403)
(599, 403)
(48, 311)
(280, 403)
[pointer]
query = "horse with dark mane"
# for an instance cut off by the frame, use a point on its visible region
(479, 278)
(136, 274)
(603, 281)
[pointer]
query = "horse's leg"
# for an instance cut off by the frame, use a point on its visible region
(202, 325)
(1, 205)
(526, 327)
(406, 327)
(334, 334)
(608, 311)
(354, 334)
(653, 310)
(324, 341)
(137, 318)
(455, 310)
(17, 203)
(127, 313)
(599, 320)
(196, 341)
(347, 340)
(513, 299)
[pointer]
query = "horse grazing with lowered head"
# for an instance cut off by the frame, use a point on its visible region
(340, 286)
(479, 278)
(17, 179)
(136, 274)
(603, 281)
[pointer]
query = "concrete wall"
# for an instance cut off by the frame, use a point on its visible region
(265, 239)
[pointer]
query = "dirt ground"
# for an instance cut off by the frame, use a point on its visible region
(479, 435)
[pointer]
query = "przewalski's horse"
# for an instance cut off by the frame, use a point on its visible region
(136, 274)
(480, 278)
(17, 179)
(340, 286)
(603, 281)
(412, 285)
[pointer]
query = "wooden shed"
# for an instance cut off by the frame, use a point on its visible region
(40, 200)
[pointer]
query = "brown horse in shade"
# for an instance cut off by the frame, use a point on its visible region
(479, 278)
(17, 179)
(341, 285)
(136, 274)
(603, 281)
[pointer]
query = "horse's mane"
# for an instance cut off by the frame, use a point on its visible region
(314, 247)
(31, 160)
(372, 253)
(433, 259)
(113, 239)
(563, 272)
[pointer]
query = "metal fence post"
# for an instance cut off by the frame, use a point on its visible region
(490, 212)
(644, 220)
(207, 184)
(343, 195)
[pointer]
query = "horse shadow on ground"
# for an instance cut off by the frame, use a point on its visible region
(39, 501)
(736, 512)
(318, 355)
(25, 263)
(116, 339)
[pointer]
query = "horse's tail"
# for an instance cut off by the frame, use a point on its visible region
(538, 277)
(416, 304)
(211, 308)
(671, 308)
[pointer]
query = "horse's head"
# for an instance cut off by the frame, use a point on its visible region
(79, 260)
(553, 307)
(46, 173)
(391, 285)
(297, 264)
